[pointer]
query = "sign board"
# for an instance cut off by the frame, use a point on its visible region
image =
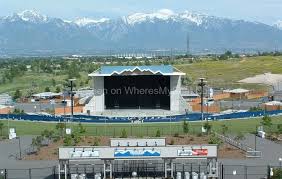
(137, 153)
(68, 131)
(192, 152)
(12, 130)
(84, 154)
(153, 142)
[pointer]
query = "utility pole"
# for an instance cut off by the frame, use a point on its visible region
(202, 83)
(187, 44)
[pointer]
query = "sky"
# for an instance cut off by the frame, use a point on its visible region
(266, 11)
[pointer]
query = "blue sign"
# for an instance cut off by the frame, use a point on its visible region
(137, 153)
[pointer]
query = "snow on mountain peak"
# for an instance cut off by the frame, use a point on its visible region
(162, 14)
(32, 16)
(86, 21)
(165, 14)
(278, 24)
(193, 17)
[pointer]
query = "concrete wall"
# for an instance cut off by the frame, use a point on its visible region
(99, 94)
(175, 93)
(97, 103)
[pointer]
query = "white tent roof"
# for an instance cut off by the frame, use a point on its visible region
(46, 94)
(239, 90)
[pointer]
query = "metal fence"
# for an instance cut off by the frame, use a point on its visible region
(105, 119)
(146, 170)
(32, 173)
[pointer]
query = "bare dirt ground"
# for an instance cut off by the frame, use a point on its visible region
(50, 152)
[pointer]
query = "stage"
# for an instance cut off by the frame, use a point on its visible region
(137, 113)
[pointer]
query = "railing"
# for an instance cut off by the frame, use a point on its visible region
(250, 152)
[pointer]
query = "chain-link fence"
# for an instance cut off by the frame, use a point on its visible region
(32, 173)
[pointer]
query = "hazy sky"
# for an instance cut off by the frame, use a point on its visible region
(267, 11)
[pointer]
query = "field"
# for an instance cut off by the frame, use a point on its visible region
(140, 130)
(226, 73)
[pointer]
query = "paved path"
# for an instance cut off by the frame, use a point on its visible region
(9, 149)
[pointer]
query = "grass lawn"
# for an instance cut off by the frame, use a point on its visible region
(42, 80)
(139, 130)
(227, 73)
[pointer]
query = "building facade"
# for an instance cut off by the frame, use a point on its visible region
(136, 87)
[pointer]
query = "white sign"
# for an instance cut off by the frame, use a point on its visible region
(68, 131)
(186, 152)
(84, 154)
(12, 130)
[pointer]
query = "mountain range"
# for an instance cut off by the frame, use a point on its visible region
(30, 32)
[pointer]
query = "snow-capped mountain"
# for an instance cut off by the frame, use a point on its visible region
(278, 24)
(87, 21)
(30, 31)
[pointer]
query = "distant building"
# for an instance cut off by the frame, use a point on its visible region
(238, 93)
(5, 99)
(277, 96)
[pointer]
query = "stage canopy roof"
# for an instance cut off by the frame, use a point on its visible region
(166, 70)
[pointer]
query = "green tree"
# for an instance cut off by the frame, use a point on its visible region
(266, 121)
(58, 89)
(215, 140)
(158, 133)
(123, 133)
(37, 143)
(47, 89)
(224, 129)
(279, 127)
(48, 134)
(53, 82)
(185, 126)
(68, 141)
(81, 129)
(61, 127)
(186, 80)
(17, 95)
(1, 128)
(207, 126)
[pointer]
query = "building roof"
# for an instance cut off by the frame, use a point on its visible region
(131, 70)
(46, 94)
(238, 90)
(274, 103)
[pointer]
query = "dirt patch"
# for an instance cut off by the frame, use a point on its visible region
(51, 152)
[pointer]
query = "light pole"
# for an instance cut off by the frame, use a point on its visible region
(20, 149)
(202, 83)
(280, 166)
(72, 94)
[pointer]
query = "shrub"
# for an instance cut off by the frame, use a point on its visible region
(185, 127)
(277, 174)
(208, 127)
(176, 134)
(96, 141)
(240, 136)
(158, 133)
(68, 140)
(266, 121)
(215, 140)
(279, 128)
(123, 133)
(172, 142)
(224, 129)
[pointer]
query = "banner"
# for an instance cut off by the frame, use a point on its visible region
(192, 152)
(137, 153)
